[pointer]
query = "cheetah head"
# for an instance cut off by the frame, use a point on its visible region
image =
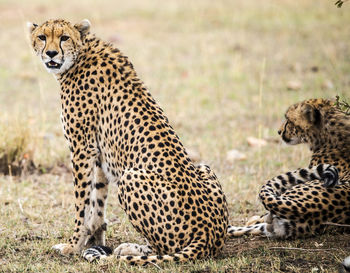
(57, 43)
(303, 123)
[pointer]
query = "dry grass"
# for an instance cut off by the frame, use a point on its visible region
(220, 69)
(14, 146)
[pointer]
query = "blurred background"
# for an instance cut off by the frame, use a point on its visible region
(223, 71)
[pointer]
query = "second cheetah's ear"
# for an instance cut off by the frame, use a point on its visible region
(31, 26)
(83, 27)
(312, 114)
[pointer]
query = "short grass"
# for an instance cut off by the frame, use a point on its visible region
(220, 70)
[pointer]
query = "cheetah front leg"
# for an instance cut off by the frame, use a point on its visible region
(95, 219)
(83, 160)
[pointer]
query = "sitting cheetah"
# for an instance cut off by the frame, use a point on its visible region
(300, 202)
(118, 134)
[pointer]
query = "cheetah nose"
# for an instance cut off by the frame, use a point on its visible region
(51, 53)
(279, 132)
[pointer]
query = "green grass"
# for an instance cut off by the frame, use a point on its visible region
(219, 69)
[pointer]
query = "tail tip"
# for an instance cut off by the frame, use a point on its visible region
(96, 252)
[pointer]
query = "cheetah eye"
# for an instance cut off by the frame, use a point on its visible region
(290, 123)
(64, 38)
(42, 37)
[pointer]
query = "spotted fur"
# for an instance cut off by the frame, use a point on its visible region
(118, 134)
(300, 202)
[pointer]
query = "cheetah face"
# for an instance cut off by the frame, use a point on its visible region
(290, 133)
(57, 43)
(302, 124)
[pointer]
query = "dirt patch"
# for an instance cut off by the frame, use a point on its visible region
(320, 254)
(28, 167)
(234, 247)
(8, 167)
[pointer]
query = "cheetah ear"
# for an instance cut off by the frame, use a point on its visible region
(31, 26)
(312, 114)
(83, 27)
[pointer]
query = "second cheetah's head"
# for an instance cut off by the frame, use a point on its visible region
(305, 121)
(57, 43)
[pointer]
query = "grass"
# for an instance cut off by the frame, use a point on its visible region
(220, 70)
(14, 147)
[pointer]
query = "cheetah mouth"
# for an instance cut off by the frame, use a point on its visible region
(53, 65)
(285, 139)
(290, 141)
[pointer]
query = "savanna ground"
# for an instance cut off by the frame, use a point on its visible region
(222, 71)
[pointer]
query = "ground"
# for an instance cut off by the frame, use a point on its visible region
(222, 70)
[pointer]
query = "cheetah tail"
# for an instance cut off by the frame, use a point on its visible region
(191, 252)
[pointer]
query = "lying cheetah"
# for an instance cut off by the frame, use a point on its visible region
(300, 202)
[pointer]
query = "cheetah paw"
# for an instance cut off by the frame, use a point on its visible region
(96, 253)
(256, 219)
(64, 249)
(330, 177)
(130, 249)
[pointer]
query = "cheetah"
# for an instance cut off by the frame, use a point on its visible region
(301, 201)
(117, 134)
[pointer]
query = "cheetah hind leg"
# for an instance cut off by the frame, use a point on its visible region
(257, 229)
(279, 229)
(132, 182)
(259, 219)
(273, 227)
(256, 225)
